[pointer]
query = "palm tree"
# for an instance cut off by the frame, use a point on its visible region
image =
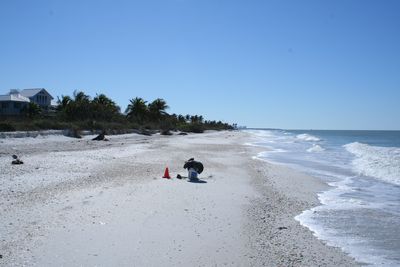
(80, 97)
(63, 102)
(181, 119)
(157, 109)
(103, 100)
(103, 107)
(187, 117)
(194, 119)
(64, 106)
(81, 106)
(137, 109)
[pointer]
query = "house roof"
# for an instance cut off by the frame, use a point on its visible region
(14, 97)
(32, 92)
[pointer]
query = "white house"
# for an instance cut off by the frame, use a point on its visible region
(14, 102)
(38, 96)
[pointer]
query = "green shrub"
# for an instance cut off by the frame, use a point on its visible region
(6, 127)
(192, 127)
(46, 125)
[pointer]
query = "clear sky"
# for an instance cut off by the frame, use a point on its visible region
(331, 64)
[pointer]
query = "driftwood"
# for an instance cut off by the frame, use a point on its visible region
(100, 137)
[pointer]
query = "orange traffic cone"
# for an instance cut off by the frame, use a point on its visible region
(166, 174)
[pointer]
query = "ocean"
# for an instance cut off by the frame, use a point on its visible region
(360, 213)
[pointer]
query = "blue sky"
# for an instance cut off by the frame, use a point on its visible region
(284, 64)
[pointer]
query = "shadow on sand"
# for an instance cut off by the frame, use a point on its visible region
(197, 181)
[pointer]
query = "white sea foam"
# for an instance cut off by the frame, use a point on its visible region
(261, 133)
(308, 137)
(315, 148)
(378, 162)
(363, 253)
(331, 200)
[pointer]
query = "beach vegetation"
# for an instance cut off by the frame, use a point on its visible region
(157, 109)
(31, 110)
(6, 127)
(81, 112)
(137, 110)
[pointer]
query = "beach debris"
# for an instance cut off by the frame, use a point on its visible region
(16, 160)
(75, 133)
(282, 228)
(101, 137)
(142, 132)
(146, 132)
(166, 132)
(166, 174)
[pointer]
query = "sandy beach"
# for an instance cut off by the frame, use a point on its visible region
(77, 202)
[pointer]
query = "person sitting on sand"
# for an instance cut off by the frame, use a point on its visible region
(194, 168)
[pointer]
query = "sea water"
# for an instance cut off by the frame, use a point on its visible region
(360, 213)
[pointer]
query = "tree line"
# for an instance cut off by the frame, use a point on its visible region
(82, 112)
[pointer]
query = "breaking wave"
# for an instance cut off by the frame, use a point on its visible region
(379, 162)
(308, 137)
(315, 148)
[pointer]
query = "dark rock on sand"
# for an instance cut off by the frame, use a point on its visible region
(17, 162)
